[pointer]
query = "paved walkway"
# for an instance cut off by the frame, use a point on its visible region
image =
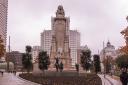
(11, 79)
(109, 80)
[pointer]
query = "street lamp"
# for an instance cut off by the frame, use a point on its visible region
(104, 58)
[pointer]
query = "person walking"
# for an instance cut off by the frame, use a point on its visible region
(2, 73)
(124, 77)
(14, 72)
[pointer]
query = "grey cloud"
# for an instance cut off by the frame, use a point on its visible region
(97, 20)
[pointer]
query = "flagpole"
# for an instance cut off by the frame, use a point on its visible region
(104, 57)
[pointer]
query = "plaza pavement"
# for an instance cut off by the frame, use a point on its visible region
(11, 79)
(108, 80)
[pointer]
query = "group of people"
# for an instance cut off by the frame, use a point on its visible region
(2, 72)
(124, 77)
(59, 65)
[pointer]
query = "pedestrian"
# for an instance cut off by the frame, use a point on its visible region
(124, 77)
(14, 72)
(112, 72)
(57, 64)
(2, 73)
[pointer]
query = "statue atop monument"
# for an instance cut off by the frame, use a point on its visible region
(60, 11)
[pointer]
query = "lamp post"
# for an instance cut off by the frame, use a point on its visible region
(8, 56)
(104, 58)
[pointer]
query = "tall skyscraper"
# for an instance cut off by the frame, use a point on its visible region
(74, 44)
(3, 20)
(46, 39)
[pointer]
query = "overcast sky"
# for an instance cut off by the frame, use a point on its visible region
(96, 20)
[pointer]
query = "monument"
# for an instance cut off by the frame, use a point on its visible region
(60, 42)
(60, 39)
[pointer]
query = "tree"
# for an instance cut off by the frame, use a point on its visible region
(96, 62)
(28, 49)
(24, 60)
(2, 47)
(122, 61)
(77, 67)
(27, 59)
(44, 61)
(124, 49)
(86, 59)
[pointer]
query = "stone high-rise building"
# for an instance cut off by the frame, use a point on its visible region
(46, 39)
(60, 39)
(74, 44)
(3, 20)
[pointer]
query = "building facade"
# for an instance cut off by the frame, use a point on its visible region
(3, 20)
(109, 50)
(74, 44)
(46, 39)
(16, 58)
(35, 53)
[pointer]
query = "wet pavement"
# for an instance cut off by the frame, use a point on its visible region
(107, 80)
(11, 79)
